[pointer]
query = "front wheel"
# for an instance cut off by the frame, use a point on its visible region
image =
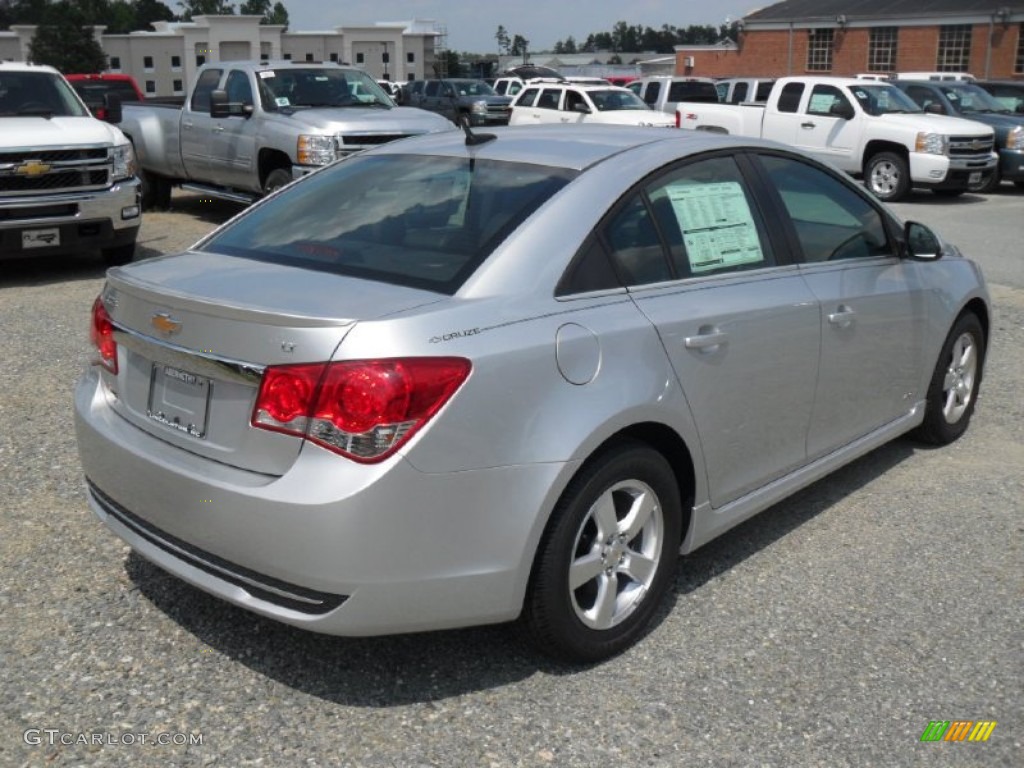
(988, 184)
(887, 176)
(608, 556)
(276, 179)
(953, 390)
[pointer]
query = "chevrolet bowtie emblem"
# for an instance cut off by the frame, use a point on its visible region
(165, 323)
(32, 168)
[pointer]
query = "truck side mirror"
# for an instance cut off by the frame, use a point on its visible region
(112, 108)
(935, 109)
(843, 109)
(219, 104)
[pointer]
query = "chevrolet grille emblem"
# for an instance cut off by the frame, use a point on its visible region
(32, 168)
(165, 323)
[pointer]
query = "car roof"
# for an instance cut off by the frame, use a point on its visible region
(573, 147)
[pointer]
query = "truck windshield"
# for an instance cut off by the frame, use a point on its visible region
(37, 94)
(297, 87)
(418, 220)
(884, 100)
(971, 99)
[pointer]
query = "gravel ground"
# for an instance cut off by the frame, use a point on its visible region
(827, 631)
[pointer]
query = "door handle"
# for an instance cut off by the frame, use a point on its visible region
(806, 125)
(706, 340)
(218, 129)
(842, 317)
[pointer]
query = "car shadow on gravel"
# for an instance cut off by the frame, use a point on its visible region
(54, 270)
(421, 668)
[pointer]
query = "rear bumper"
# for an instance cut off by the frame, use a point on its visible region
(331, 546)
(79, 221)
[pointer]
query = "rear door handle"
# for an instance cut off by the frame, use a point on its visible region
(706, 340)
(843, 317)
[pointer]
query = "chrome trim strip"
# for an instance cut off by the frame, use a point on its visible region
(202, 363)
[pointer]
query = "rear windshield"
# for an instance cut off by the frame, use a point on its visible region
(93, 91)
(417, 220)
(693, 91)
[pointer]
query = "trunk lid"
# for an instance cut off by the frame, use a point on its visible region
(195, 332)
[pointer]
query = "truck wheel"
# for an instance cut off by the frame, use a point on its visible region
(276, 179)
(119, 255)
(156, 191)
(887, 176)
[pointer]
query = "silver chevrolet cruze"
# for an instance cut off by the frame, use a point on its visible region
(468, 379)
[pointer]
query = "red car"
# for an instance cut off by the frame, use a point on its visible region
(92, 89)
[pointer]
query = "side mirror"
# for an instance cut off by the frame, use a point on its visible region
(935, 109)
(921, 242)
(581, 108)
(843, 109)
(219, 104)
(112, 112)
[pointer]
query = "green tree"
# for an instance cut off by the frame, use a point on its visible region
(148, 11)
(193, 8)
(519, 46)
(65, 41)
(503, 40)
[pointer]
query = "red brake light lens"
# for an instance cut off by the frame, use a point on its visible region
(363, 409)
(102, 335)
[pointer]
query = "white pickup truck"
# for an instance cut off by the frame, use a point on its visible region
(67, 180)
(865, 128)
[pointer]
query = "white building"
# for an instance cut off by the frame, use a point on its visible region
(164, 60)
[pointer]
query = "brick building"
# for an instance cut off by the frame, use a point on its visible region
(848, 37)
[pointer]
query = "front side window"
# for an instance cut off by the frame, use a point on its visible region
(831, 220)
(826, 100)
(415, 220)
(238, 89)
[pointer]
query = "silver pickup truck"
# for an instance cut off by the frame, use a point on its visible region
(249, 127)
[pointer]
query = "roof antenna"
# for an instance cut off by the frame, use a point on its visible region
(473, 139)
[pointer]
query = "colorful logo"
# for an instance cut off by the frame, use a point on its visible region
(958, 730)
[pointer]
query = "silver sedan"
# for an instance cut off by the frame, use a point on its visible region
(470, 379)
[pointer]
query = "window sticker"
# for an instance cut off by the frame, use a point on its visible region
(821, 103)
(282, 101)
(717, 225)
(263, 75)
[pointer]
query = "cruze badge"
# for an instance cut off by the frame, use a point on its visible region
(164, 323)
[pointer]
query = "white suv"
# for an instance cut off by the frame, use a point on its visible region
(560, 102)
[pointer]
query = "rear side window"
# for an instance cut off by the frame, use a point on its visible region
(739, 93)
(415, 220)
(432, 88)
(789, 99)
(549, 98)
(651, 94)
(205, 85)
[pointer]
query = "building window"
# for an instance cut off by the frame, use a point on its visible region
(1018, 68)
(177, 85)
(175, 63)
(954, 48)
(360, 59)
(334, 57)
(882, 49)
(309, 57)
(150, 86)
(287, 57)
(115, 63)
(819, 50)
(200, 60)
(410, 58)
(147, 63)
(264, 56)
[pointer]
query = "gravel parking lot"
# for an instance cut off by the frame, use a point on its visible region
(827, 631)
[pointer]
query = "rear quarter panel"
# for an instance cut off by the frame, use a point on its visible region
(155, 131)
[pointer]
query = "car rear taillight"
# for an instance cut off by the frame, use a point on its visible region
(102, 335)
(362, 409)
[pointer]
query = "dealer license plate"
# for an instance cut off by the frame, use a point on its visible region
(179, 399)
(40, 238)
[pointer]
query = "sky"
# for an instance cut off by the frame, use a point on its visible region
(471, 24)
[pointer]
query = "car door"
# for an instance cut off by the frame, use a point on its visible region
(233, 157)
(873, 317)
(197, 127)
(738, 323)
(823, 132)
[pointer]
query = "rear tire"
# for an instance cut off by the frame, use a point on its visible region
(953, 390)
(607, 557)
(156, 191)
(887, 176)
